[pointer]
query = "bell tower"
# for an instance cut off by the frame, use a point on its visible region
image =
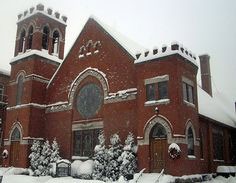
(39, 50)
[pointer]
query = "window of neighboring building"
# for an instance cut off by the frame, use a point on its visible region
(85, 141)
(55, 42)
(188, 94)
(190, 141)
(218, 144)
(157, 91)
(45, 38)
(30, 37)
(19, 91)
(22, 41)
(1, 92)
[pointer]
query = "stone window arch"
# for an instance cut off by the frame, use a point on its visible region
(45, 37)
(148, 129)
(16, 132)
(22, 41)
(99, 75)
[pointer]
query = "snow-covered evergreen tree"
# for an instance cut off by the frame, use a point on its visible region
(35, 155)
(100, 159)
(45, 158)
(114, 158)
(129, 160)
(55, 152)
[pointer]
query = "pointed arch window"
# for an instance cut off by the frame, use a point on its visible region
(22, 41)
(55, 42)
(15, 136)
(19, 91)
(158, 131)
(45, 38)
(190, 140)
(30, 37)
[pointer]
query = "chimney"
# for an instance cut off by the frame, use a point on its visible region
(205, 73)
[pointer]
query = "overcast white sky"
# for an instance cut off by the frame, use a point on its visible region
(203, 26)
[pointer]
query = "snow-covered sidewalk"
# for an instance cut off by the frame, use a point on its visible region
(10, 176)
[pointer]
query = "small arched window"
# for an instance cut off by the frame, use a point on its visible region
(45, 38)
(15, 136)
(22, 41)
(30, 37)
(190, 140)
(19, 91)
(55, 42)
(158, 131)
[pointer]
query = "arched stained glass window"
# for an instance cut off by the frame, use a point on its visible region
(158, 131)
(15, 136)
(190, 141)
(45, 38)
(19, 91)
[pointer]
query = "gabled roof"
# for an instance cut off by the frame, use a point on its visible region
(215, 109)
(129, 45)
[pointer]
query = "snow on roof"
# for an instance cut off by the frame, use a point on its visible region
(175, 48)
(40, 9)
(4, 72)
(215, 109)
(129, 45)
(42, 53)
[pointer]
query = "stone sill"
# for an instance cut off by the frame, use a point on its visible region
(157, 102)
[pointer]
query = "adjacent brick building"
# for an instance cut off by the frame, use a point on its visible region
(102, 85)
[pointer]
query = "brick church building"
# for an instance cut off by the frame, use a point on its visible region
(103, 84)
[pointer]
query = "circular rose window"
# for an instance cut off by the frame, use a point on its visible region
(89, 100)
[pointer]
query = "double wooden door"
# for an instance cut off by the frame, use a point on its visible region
(15, 154)
(158, 150)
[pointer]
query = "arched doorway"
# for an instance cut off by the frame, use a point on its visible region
(158, 147)
(15, 147)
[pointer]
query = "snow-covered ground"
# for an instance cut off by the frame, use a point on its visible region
(10, 176)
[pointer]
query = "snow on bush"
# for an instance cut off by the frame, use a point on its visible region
(174, 150)
(100, 159)
(4, 154)
(81, 169)
(128, 157)
(42, 156)
(114, 158)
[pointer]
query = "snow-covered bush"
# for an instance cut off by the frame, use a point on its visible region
(42, 156)
(82, 170)
(128, 157)
(114, 158)
(100, 159)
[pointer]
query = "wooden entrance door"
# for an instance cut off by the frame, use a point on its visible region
(158, 153)
(14, 153)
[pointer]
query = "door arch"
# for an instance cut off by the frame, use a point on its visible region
(158, 147)
(15, 147)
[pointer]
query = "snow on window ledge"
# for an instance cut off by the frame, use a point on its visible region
(202, 159)
(191, 157)
(218, 160)
(80, 158)
(189, 104)
(157, 102)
